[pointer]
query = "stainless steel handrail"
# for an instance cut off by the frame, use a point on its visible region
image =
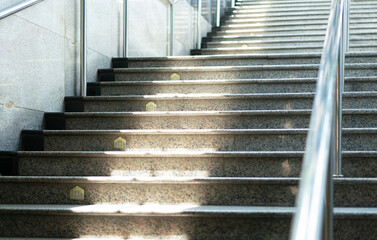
(314, 214)
(17, 7)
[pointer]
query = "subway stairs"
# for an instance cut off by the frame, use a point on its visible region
(201, 147)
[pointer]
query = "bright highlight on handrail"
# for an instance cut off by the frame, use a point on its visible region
(17, 7)
(314, 216)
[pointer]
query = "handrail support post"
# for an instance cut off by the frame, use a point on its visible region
(198, 27)
(218, 13)
(171, 29)
(83, 48)
(125, 28)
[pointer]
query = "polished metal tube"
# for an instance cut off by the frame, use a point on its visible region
(198, 26)
(218, 13)
(339, 106)
(17, 7)
(83, 49)
(171, 29)
(233, 4)
(347, 25)
(125, 28)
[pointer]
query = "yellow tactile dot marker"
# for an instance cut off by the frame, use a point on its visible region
(175, 76)
(120, 143)
(151, 106)
(77, 193)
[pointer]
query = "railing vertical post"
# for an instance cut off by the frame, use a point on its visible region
(329, 197)
(125, 28)
(83, 49)
(339, 92)
(198, 28)
(218, 13)
(346, 18)
(233, 4)
(171, 29)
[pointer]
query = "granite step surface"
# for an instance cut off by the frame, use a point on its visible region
(211, 102)
(285, 42)
(228, 72)
(245, 49)
(236, 60)
(220, 191)
(247, 119)
(268, 5)
(358, 164)
(284, 85)
(354, 139)
(176, 222)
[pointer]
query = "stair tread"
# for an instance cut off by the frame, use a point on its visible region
(173, 154)
(175, 210)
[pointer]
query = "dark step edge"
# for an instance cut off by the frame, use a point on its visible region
(94, 89)
(54, 121)
(119, 63)
(106, 75)
(74, 104)
(8, 163)
(32, 140)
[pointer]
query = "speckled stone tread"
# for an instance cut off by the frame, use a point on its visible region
(171, 222)
(258, 119)
(348, 192)
(281, 85)
(234, 60)
(183, 164)
(358, 139)
(218, 102)
(237, 72)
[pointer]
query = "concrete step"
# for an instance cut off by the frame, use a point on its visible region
(316, 29)
(361, 13)
(360, 164)
(236, 60)
(355, 8)
(187, 139)
(245, 49)
(354, 42)
(252, 119)
(284, 85)
(302, 23)
(228, 72)
(212, 102)
(216, 191)
(267, 4)
(272, 36)
(173, 222)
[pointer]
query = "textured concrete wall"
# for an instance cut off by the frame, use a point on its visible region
(39, 59)
(39, 51)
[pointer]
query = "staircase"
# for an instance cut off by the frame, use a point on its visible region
(202, 147)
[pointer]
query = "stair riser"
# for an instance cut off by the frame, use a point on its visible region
(290, 50)
(183, 167)
(290, 27)
(199, 142)
(239, 62)
(172, 228)
(167, 167)
(218, 104)
(245, 73)
(223, 194)
(369, 31)
(243, 44)
(209, 122)
(268, 32)
(252, 51)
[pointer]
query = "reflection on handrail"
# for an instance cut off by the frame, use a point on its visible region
(17, 7)
(313, 219)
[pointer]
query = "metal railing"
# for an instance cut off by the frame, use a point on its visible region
(17, 7)
(314, 215)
